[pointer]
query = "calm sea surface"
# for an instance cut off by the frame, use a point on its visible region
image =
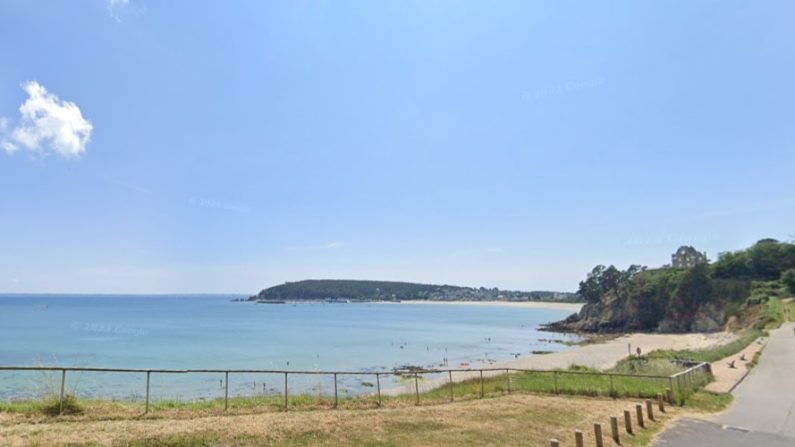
(194, 332)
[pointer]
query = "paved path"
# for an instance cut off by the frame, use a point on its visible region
(763, 413)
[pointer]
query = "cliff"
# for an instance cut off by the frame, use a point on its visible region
(701, 298)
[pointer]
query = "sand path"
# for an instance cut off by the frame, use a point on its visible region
(727, 377)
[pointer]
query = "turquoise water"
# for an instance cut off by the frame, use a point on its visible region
(212, 332)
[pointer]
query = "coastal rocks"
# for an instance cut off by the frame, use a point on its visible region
(622, 315)
(707, 318)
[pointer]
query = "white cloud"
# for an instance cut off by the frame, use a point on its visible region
(332, 245)
(47, 123)
(120, 9)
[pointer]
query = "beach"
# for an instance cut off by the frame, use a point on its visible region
(602, 355)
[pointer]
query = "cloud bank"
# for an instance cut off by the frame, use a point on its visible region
(46, 124)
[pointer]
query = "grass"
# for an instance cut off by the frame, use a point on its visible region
(772, 313)
(790, 304)
(709, 402)
(576, 382)
(508, 420)
(49, 406)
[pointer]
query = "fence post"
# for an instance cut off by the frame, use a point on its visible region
(63, 385)
(679, 386)
(614, 429)
(226, 390)
(649, 409)
(555, 376)
(481, 384)
(612, 390)
(597, 433)
(146, 408)
(670, 390)
(578, 441)
(378, 387)
(508, 379)
(639, 413)
(660, 403)
(336, 399)
(450, 378)
(628, 421)
(417, 388)
(285, 390)
(554, 443)
(670, 394)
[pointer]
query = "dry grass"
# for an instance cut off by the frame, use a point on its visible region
(510, 420)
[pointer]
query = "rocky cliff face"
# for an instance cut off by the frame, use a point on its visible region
(617, 315)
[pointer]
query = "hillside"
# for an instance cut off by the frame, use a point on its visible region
(703, 298)
(339, 289)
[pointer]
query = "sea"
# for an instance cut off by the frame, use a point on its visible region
(218, 332)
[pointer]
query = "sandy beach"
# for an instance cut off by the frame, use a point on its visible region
(598, 355)
(605, 355)
(573, 307)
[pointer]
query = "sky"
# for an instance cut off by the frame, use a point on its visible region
(212, 147)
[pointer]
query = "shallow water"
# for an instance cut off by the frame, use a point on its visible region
(193, 332)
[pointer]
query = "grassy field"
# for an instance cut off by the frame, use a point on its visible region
(508, 420)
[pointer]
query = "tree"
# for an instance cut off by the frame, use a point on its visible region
(693, 289)
(590, 289)
(603, 280)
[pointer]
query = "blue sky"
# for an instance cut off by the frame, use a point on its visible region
(184, 146)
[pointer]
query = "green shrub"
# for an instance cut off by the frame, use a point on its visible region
(70, 406)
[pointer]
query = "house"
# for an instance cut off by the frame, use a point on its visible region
(687, 257)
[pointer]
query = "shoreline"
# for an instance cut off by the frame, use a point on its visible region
(601, 355)
(574, 307)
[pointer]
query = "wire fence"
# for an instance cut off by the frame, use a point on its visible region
(284, 389)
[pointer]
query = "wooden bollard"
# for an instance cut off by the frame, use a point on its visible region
(628, 421)
(578, 441)
(660, 402)
(639, 414)
(597, 433)
(614, 429)
(554, 443)
(670, 393)
(649, 409)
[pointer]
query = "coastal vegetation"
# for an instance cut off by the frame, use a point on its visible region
(740, 289)
(707, 355)
(354, 290)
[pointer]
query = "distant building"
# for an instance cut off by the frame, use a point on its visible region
(687, 257)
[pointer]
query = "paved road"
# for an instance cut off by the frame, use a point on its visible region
(763, 413)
